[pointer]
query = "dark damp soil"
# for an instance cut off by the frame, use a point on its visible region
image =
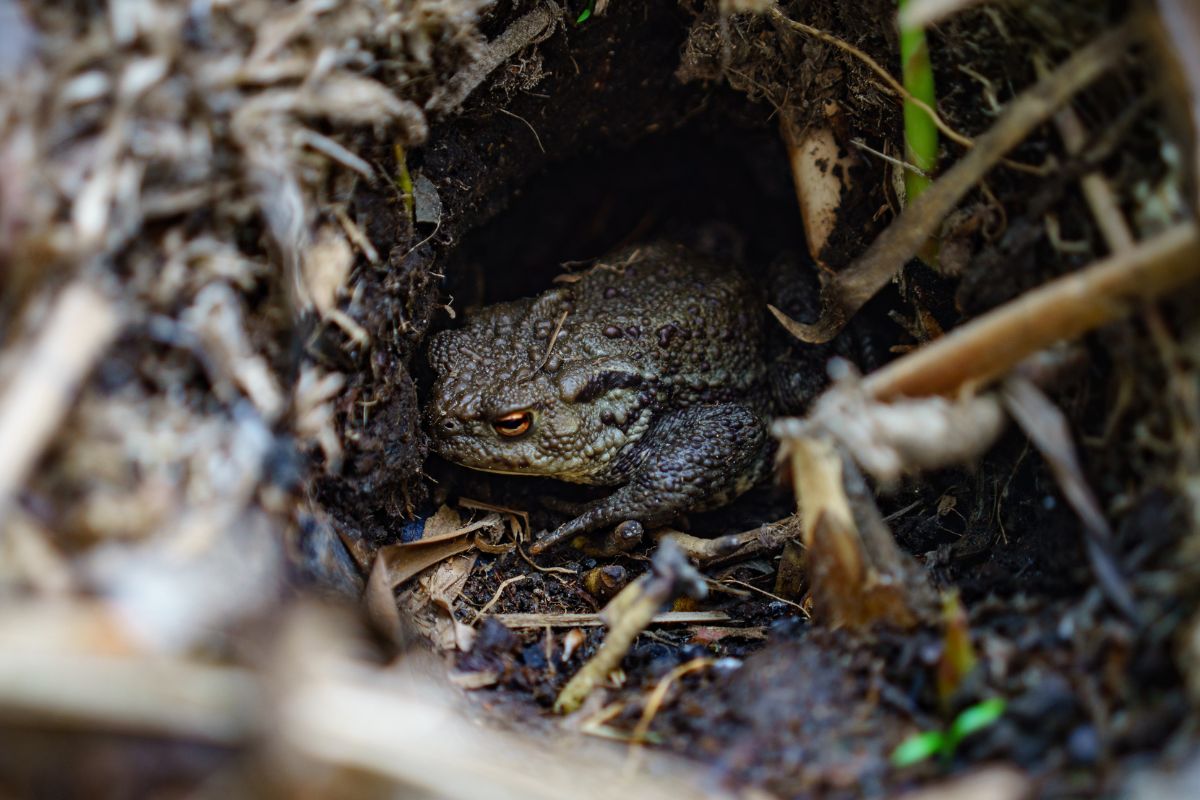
(661, 119)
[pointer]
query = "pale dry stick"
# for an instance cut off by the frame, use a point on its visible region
(653, 703)
(1175, 29)
(408, 736)
(539, 568)
(734, 545)
(1063, 309)
(844, 294)
(628, 614)
(1099, 196)
(86, 690)
(528, 124)
(356, 235)
(80, 327)
(659, 694)
(343, 713)
(899, 163)
(858, 574)
(1047, 428)
(524, 621)
(803, 611)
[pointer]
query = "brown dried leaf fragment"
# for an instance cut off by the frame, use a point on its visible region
(859, 577)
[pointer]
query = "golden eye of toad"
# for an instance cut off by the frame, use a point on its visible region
(513, 424)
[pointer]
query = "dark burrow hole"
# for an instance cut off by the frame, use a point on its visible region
(729, 193)
(724, 191)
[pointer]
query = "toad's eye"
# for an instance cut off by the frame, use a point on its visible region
(513, 424)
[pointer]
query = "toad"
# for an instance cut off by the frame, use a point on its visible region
(645, 373)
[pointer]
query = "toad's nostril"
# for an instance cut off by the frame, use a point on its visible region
(451, 425)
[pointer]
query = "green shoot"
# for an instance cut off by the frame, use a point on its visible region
(927, 744)
(917, 748)
(403, 179)
(974, 719)
(920, 133)
(586, 14)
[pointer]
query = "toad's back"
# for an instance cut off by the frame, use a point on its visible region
(693, 326)
(645, 372)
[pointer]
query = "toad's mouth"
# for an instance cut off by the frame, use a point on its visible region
(502, 471)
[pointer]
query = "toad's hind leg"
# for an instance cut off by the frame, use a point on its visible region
(692, 460)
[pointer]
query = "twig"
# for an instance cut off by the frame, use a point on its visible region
(655, 700)
(553, 339)
(528, 124)
(895, 162)
(335, 150)
(1099, 196)
(496, 597)
(859, 576)
(411, 736)
(539, 568)
(1063, 309)
(172, 697)
(775, 597)
(734, 545)
(80, 326)
(628, 614)
(843, 295)
(521, 621)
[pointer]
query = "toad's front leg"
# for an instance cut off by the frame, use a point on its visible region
(692, 460)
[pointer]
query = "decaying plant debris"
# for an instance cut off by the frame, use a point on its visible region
(228, 563)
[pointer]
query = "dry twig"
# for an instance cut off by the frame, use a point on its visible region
(519, 621)
(734, 546)
(844, 293)
(628, 614)
(1063, 309)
